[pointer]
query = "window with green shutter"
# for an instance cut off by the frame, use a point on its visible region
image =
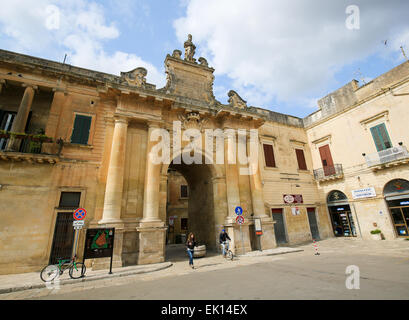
(80, 132)
(381, 137)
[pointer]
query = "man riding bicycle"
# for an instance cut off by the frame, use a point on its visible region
(223, 241)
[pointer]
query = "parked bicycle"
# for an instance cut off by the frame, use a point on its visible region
(76, 269)
(228, 254)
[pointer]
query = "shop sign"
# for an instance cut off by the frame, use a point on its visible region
(292, 198)
(364, 193)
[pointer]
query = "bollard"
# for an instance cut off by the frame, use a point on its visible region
(316, 248)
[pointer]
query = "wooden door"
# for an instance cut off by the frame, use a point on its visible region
(326, 158)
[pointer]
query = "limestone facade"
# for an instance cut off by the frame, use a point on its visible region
(103, 131)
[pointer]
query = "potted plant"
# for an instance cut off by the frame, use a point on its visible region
(18, 135)
(376, 234)
(41, 138)
(4, 134)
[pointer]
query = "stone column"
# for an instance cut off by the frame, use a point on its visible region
(152, 182)
(151, 230)
(232, 178)
(256, 187)
(115, 178)
(2, 82)
(53, 122)
(267, 240)
(20, 121)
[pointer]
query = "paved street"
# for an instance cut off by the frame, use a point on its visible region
(383, 266)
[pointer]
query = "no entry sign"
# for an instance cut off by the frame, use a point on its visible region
(80, 214)
(240, 220)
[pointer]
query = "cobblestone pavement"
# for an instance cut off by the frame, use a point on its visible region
(398, 249)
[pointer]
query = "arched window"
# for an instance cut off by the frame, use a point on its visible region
(396, 189)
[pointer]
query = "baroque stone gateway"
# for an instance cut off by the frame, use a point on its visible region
(72, 137)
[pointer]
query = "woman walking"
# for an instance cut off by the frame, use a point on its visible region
(190, 246)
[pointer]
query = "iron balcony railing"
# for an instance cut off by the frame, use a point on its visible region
(328, 172)
(386, 156)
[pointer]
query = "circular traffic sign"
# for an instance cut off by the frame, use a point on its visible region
(80, 214)
(239, 211)
(240, 220)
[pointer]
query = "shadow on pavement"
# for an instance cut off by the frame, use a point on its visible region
(177, 252)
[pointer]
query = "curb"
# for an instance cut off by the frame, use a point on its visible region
(271, 254)
(92, 278)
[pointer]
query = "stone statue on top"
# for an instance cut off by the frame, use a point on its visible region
(189, 49)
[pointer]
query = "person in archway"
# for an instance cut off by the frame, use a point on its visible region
(190, 246)
(223, 241)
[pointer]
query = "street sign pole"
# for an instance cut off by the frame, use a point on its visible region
(74, 250)
(242, 240)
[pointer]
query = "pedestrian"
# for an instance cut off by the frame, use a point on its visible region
(190, 246)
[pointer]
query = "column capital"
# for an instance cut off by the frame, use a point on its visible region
(29, 85)
(154, 124)
(60, 90)
(121, 119)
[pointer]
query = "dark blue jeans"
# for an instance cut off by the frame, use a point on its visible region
(190, 253)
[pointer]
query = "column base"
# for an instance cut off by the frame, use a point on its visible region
(152, 238)
(267, 240)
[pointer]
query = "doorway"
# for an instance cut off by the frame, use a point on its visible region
(279, 226)
(341, 216)
(63, 239)
(312, 219)
(397, 197)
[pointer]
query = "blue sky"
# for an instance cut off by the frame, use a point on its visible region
(278, 55)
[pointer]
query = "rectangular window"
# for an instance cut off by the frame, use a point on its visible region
(80, 132)
(269, 155)
(70, 200)
(301, 159)
(183, 191)
(183, 224)
(381, 137)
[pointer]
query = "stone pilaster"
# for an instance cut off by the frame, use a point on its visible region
(20, 122)
(115, 178)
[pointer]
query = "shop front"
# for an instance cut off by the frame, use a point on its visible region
(396, 194)
(340, 213)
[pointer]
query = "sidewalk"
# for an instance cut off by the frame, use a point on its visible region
(27, 281)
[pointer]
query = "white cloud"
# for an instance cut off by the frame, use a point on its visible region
(82, 33)
(289, 51)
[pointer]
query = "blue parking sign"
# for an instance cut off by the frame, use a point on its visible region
(239, 211)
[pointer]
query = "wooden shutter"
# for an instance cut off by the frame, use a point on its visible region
(80, 132)
(381, 137)
(269, 155)
(301, 159)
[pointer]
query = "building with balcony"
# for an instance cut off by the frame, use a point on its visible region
(72, 137)
(364, 129)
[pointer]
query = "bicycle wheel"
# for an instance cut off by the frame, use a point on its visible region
(77, 271)
(49, 273)
(229, 255)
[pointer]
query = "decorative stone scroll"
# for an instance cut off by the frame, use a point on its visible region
(236, 101)
(203, 62)
(136, 77)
